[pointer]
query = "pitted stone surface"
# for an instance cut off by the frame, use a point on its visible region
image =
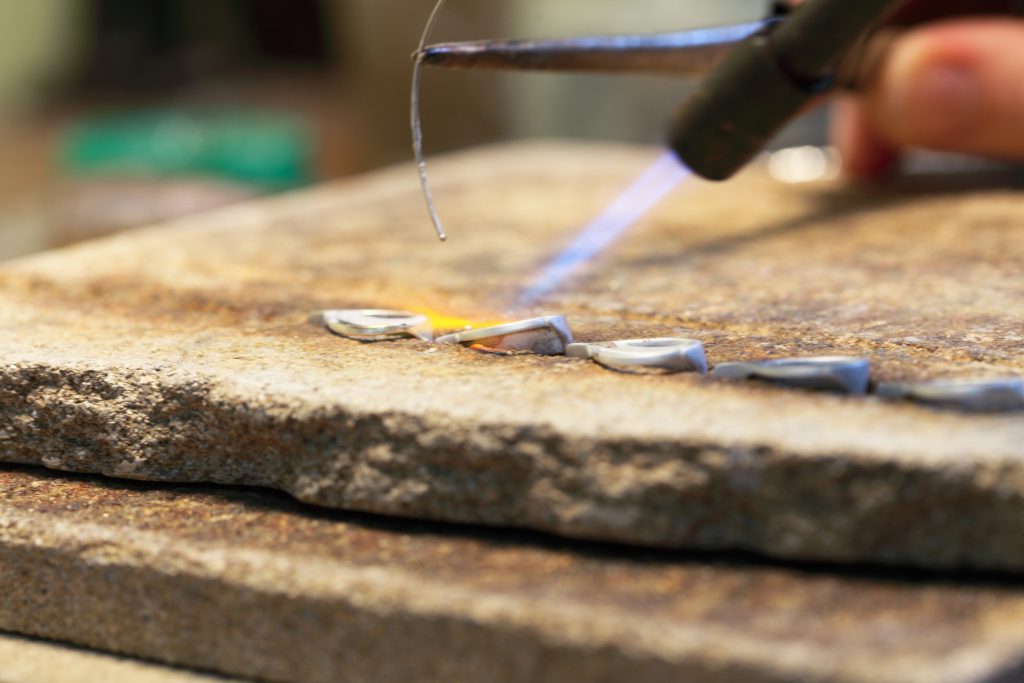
(184, 353)
(253, 584)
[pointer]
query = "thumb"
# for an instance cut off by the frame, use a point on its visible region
(956, 86)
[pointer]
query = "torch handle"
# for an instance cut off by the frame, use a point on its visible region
(772, 77)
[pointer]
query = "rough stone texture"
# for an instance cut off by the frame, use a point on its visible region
(252, 584)
(184, 353)
(25, 660)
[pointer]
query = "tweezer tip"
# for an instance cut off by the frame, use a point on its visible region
(444, 54)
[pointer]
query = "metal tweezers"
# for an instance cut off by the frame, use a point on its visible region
(681, 53)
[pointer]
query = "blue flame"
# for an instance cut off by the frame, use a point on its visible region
(644, 194)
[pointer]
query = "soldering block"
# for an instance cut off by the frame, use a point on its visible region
(252, 584)
(183, 353)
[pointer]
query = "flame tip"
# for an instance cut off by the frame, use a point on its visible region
(450, 323)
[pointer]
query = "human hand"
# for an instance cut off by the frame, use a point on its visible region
(954, 86)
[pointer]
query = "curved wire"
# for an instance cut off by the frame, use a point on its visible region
(417, 123)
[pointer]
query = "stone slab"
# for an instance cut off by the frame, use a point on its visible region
(253, 584)
(27, 660)
(184, 353)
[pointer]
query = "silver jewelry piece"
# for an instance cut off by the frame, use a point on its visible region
(376, 324)
(666, 353)
(973, 395)
(547, 336)
(839, 373)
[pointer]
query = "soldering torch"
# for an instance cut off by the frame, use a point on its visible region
(761, 74)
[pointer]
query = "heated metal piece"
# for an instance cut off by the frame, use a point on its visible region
(547, 336)
(839, 373)
(377, 324)
(670, 354)
(970, 395)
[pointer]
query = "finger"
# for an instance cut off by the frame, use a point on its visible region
(957, 86)
(865, 153)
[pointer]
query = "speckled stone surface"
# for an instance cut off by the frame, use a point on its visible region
(27, 660)
(184, 353)
(252, 584)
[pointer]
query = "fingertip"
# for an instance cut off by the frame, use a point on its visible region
(929, 95)
(953, 86)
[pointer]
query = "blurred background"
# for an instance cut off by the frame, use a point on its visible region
(121, 113)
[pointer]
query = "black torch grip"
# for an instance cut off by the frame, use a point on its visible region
(765, 82)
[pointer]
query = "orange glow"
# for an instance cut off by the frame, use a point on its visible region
(497, 352)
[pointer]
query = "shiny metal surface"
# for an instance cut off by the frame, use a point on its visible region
(375, 324)
(969, 395)
(836, 373)
(670, 354)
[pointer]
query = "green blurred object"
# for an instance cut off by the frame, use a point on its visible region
(262, 149)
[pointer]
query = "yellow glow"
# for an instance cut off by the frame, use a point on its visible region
(448, 323)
